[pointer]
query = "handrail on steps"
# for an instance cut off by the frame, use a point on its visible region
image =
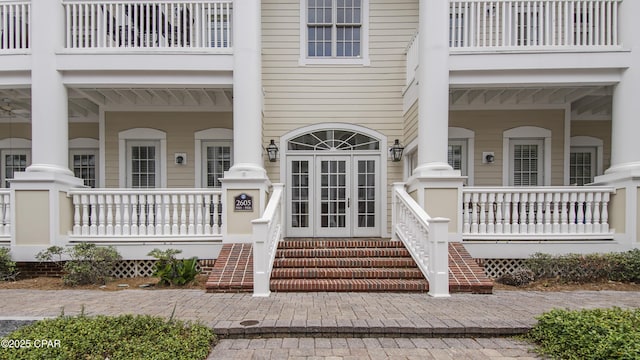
(267, 233)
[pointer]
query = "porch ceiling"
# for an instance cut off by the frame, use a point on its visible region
(587, 102)
(85, 103)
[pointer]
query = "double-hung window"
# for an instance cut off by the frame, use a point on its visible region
(14, 160)
(83, 164)
(217, 160)
(334, 31)
(143, 164)
(582, 165)
(527, 169)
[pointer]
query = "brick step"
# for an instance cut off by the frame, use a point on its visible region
(346, 273)
(349, 285)
(342, 252)
(391, 262)
(303, 243)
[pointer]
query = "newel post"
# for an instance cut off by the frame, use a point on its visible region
(438, 267)
(261, 273)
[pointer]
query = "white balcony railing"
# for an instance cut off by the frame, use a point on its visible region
(547, 213)
(267, 233)
(150, 213)
(104, 24)
(425, 238)
(14, 25)
(5, 216)
(533, 23)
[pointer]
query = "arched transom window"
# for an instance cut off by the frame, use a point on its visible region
(333, 140)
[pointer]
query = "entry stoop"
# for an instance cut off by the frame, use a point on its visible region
(330, 264)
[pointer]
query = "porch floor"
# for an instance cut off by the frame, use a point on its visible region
(233, 272)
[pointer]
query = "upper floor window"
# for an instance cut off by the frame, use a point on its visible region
(334, 31)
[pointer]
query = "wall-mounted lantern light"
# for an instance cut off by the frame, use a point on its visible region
(272, 151)
(396, 151)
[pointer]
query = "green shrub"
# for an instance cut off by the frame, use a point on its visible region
(7, 266)
(588, 334)
(122, 337)
(87, 264)
(574, 268)
(172, 271)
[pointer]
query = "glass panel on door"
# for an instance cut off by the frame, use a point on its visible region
(334, 199)
(300, 194)
(366, 194)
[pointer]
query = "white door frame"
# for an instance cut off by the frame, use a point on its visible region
(381, 187)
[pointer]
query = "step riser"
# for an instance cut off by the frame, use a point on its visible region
(333, 273)
(349, 285)
(323, 244)
(341, 253)
(345, 263)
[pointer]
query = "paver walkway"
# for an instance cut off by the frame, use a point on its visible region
(332, 325)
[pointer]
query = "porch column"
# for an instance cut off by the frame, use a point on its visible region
(435, 185)
(625, 149)
(247, 178)
(43, 214)
(433, 87)
(624, 173)
(247, 90)
(49, 102)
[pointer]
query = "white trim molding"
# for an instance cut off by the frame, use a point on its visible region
(212, 134)
(593, 142)
(141, 134)
(458, 133)
(526, 132)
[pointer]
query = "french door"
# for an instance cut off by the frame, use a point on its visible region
(333, 196)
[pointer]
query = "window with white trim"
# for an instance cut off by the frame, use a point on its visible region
(13, 160)
(334, 31)
(582, 165)
(526, 162)
(84, 165)
(142, 164)
(334, 28)
(456, 155)
(217, 158)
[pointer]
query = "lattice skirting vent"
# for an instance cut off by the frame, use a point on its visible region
(144, 268)
(494, 268)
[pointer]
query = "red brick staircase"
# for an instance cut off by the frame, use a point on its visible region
(329, 264)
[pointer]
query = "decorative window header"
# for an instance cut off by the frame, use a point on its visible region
(333, 140)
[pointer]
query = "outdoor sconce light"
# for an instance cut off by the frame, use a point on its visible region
(272, 151)
(180, 158)
(488, 157)
(396, 151)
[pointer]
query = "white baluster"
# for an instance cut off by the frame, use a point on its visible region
(142, 213)
(564, 213)
(531, 214)
(191, 228)
(126, 219)
(183, 214)
(93, 215)
(483, 215)
(557, 208)
(166, 218)
(540, 213)
(151, 227)
(76, 215)
(109, 201)
(159, 213)
(117, 230)
(85, 214)
(605, 213)
(548, 199)
(474, 213)
(499, 213)
(573, 198)
(596, 213)
(466, 225)
(588, 219)
(508, 220)
(101, 215)
(516, 217)
(491, 217)
(199, 226)
(134, 214)
(207, 213)
(174, 218)
(523, 213)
